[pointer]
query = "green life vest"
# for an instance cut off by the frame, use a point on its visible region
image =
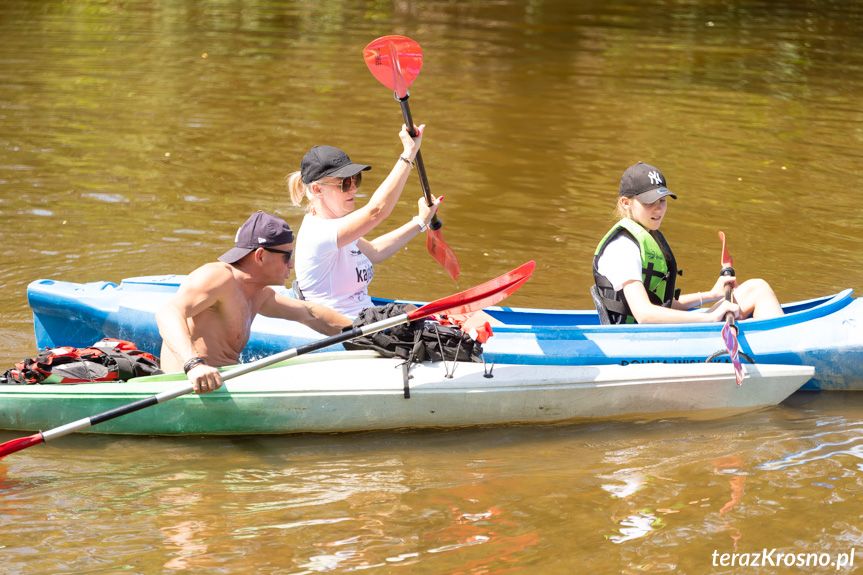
(658, 270)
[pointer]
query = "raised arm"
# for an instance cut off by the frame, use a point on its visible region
(363, 220)
(382, 247)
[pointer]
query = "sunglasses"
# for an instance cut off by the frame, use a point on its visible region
(285, 254)
(356, 179)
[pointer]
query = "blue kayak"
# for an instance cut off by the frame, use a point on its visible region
(826, 332)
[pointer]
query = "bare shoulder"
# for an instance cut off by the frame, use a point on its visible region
(212, 275)
(208, 283)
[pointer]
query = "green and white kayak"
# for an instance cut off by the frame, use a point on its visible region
(353, 391)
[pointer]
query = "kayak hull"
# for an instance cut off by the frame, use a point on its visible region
(358, 391)
(826, 333)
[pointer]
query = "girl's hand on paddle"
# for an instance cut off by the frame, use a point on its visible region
(718, 314)
(718, 290)
(426, 212)
(205, 378)
(412, 145)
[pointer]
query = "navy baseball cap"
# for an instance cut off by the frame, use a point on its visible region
(261, 230)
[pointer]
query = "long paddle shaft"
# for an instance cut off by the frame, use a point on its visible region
(730, 330)
(473, 299)
(435, 223)
(396, 61)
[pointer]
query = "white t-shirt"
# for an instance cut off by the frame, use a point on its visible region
(620, 262)
(336, 278)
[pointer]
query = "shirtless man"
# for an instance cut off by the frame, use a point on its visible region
(207, 323)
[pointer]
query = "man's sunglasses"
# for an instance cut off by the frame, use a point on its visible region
(285, 254)
(356, 179)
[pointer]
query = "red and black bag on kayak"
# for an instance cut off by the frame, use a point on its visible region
(416, 341)
(107, 360)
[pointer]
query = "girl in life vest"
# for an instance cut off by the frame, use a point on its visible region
(635, 271)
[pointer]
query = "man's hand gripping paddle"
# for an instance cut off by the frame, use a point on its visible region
(730, 330)
(468, 301)
(396, 61)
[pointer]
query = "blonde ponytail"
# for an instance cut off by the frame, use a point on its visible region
(298, 190)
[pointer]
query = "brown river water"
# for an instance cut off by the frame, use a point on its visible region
(135, 136)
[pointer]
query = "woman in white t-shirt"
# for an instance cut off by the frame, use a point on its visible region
(635, 270)
(333, 261)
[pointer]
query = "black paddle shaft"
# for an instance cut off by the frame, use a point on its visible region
(729, 317)
(436, 223)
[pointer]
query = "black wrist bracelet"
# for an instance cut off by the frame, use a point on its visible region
(192, 363)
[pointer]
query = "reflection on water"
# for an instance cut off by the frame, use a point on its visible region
(136, 136)
(827, 446)
(732, 465)
(641, 524)
(183, 539)
(604, 494)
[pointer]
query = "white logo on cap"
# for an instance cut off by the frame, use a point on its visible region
(262, 240)
(655, 178)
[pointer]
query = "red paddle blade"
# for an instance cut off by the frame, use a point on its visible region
(441, 252)
(479, 297)
(733, 351)
(395, 61)
(21, 443)
(727, 260)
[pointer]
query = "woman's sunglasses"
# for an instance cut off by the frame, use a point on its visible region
(356, 179)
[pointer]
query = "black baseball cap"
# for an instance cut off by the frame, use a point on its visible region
(645, 182)
(326, 161)
(261, 230)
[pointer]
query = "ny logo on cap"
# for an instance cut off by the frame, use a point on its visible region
(655, 177)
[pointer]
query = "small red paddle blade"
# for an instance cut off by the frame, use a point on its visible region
(395, 61)
(734, 351)
(727, 260)
(21, 443)
(442, 253)
(479, 297)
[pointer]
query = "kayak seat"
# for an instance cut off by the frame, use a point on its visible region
(600, 307)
